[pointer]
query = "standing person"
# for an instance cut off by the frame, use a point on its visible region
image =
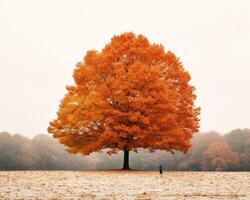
(160, 170)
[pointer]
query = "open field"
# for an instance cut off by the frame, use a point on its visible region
(107, 185)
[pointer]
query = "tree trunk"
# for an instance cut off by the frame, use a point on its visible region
(126, 160)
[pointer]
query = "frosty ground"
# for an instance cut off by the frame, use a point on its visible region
(107, 185)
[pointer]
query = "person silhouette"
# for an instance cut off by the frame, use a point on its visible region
(160, 170)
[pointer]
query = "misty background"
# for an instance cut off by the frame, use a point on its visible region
(41, 41)
(210, 151)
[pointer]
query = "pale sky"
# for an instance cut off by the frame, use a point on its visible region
(41, 41)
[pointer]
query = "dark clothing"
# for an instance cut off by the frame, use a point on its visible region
(160, 169)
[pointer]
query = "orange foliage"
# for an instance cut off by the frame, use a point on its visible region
(130, 95)
(219, 157)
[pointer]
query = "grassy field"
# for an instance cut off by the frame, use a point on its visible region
(107, 185)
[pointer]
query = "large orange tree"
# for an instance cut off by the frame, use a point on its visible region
(132, 94)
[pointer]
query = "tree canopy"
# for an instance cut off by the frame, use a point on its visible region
(132, 94)
(219, 157)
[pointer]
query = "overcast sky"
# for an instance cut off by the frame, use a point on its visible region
(41, 41)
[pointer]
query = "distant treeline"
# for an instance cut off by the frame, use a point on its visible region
(210, 151)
